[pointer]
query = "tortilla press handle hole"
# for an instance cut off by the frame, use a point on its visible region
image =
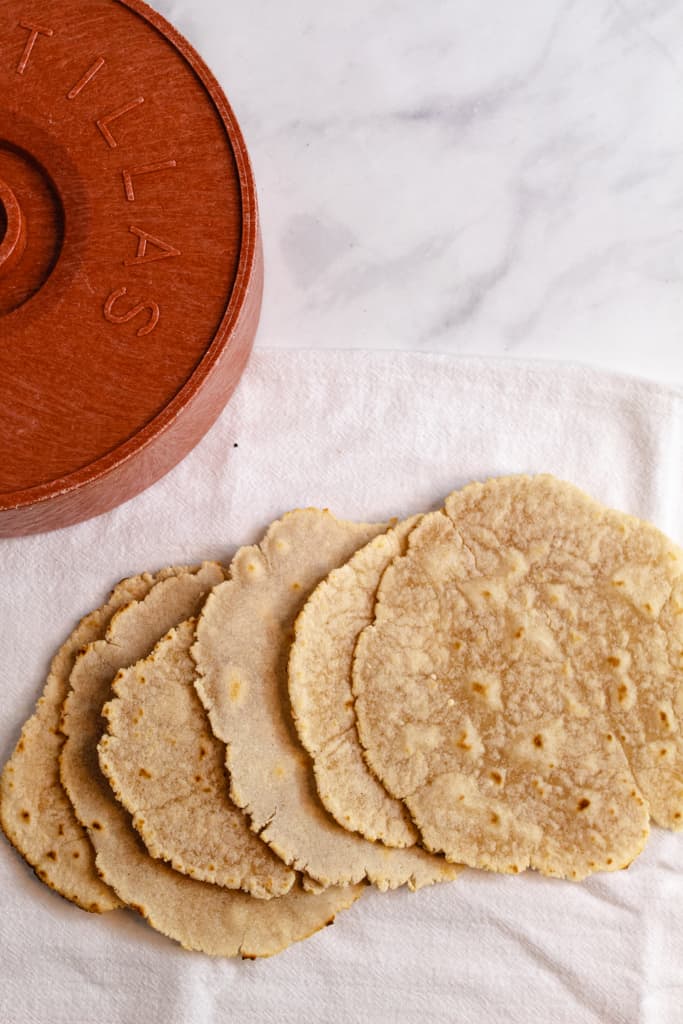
(31, 226)
(12, 229)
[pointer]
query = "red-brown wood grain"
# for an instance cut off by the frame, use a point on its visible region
(130, 259)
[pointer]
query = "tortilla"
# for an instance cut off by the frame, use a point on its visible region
(320, 663)
(204, 917)
(196, 914)
(168, 771)
(519, 688)
(35, 812)
(243, 638)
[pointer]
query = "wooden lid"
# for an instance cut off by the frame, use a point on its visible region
(130, 259)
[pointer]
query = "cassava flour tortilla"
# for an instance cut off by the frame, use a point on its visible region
(520, 686)
(35, 812)
(168, 770)
(244, 635)
(197, 914)
(320, 661)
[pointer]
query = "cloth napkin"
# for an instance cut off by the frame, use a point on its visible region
(369, 436)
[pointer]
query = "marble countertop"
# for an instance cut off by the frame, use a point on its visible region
(463, 175)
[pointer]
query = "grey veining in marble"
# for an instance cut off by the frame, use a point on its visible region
(463, 175)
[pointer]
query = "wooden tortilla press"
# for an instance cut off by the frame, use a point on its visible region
(130, 261)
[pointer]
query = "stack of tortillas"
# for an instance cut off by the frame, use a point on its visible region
(235, 753)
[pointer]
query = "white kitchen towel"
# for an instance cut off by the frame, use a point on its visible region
(368, 436)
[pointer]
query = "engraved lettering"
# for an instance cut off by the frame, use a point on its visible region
(124, 318)
(147, 169)
(104, 122)
(86, 79)
(142, 256)
(34, 31)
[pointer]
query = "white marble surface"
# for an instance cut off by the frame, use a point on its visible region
(463, 175)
